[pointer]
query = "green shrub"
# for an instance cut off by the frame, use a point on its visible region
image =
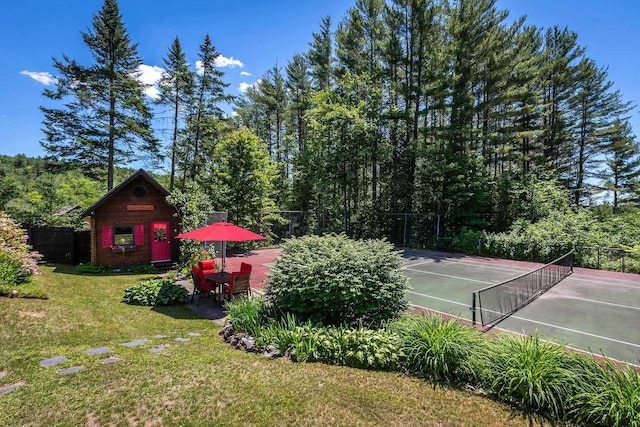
(93, 269)
(531, 373)
(153, 292)
(364, 348)
(356, 347)
(144, 269)
(17, 261)
(10, 268)
(604, 395)
(335, 280)
(440, 348)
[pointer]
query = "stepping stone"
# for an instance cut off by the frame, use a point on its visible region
(8, 388)
(70, 370)
(101, 350)
(135, 343)
(159, 348)
(47, 363)
(159, 336)
(193, 334)
(111, 359)
(182, 339)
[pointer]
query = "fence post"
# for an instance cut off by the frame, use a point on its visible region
(473, 309)
(404, 233)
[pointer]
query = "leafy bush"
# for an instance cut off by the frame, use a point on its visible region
(440, 348)
(604, 395)
(364, 348)
(153, 292)
(530, 372)
(93, 269)
(356, 347)
(335, 280)
(17, 261)
(144, 269)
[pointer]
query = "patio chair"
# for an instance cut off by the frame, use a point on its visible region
(239, 284)
(206, 267)
(200, 286)
(245, 268)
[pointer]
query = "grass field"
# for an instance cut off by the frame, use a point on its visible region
(198, 382)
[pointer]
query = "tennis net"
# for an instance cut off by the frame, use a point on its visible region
(496, 302)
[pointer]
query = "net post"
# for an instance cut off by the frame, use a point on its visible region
(473, 309)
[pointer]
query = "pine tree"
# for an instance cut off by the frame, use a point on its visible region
(321, 56)
(176, 92)
(206, 115)
(105, 119)
(622, 171)
(558, 72)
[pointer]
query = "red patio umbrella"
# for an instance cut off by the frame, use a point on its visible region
(221, 232)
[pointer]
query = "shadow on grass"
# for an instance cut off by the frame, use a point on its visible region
(73, 270)
(208, 309)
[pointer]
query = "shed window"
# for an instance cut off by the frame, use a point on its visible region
(123, 235)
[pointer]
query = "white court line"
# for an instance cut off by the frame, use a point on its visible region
(439, 299)
(535, 321)
(448, 275)
(482, 265)
(575, 331)
(603, 281)
(429, 261)
(522, 334)
(594, 301)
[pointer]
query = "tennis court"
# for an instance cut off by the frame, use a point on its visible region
(590, 310)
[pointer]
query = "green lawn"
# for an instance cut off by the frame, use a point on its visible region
(199, 382)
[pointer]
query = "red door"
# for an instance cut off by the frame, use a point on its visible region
(160, 246)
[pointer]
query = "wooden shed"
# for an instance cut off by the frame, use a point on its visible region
(133, 224)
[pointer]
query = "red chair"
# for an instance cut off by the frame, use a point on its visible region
(207, 267)
(200, 286)
(239, 281)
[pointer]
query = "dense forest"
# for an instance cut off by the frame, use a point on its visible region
(439, 109)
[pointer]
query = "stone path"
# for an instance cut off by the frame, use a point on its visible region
(56, 360)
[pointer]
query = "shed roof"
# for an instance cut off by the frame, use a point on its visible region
(114, 190)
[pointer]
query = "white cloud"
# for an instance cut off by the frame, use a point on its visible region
(244, 85)
(150, 75)
(199, 70)
(244, 73)
(223, 62)
(41, 76)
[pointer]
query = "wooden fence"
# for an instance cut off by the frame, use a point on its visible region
(61, 245)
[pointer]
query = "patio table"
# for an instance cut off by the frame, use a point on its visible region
(218, 279)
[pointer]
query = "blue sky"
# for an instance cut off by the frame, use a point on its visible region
(252, 36)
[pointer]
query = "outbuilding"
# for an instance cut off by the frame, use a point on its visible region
(133, 224)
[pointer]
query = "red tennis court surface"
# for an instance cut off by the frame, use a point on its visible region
(260, 259)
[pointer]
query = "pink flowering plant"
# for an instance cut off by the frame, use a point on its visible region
(17, 261)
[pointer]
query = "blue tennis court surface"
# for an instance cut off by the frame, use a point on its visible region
(593, 311)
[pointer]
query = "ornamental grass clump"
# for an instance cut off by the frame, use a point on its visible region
(335, 280)
(531, 373)
(247, 315)
(604, 394)
(439, 348)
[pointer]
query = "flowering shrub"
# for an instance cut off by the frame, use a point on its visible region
(17, 260)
